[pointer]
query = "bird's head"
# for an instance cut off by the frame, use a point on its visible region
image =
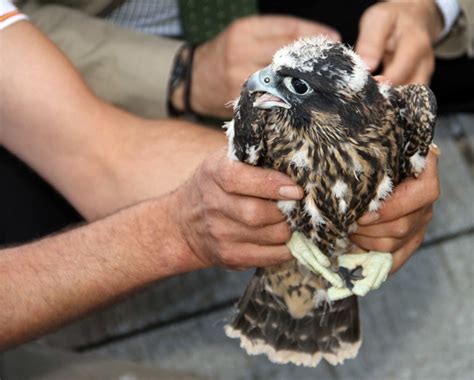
(313, 86)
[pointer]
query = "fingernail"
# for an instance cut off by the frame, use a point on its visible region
(435, 149)
(370, 62)
(369, 218)
(290, 192)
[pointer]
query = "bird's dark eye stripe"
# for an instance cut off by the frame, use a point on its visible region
(299, 86)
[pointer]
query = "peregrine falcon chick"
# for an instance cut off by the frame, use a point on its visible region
(317, 115)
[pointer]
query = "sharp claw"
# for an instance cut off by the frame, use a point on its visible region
(356, 273)
(348, 275)
(369, 271)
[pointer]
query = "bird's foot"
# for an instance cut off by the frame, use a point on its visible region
(362, 272)
(358, 273)
(306, 252)
(349, 275)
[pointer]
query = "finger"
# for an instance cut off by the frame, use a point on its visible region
(252, 212)
(409, 196)
(284, 26)
(275, 234)
(408, 55)
(401, 256)
(397, 228)
(375, 27)
(378, 244)
(423, 73)
(380, 79)
(251, 255)
(239, 178)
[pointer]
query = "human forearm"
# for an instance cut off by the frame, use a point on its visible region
(221, 216)
(99, 157)
(53, 281)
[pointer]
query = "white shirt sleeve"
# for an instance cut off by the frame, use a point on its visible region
(450, 10)
(9, 14)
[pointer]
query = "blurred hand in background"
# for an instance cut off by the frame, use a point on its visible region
(399, 35)
(245, 46)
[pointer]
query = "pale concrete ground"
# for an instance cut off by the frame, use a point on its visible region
(420, 325)
(36, 362)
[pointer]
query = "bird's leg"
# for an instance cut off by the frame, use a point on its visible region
(375, 269)
(309, 255)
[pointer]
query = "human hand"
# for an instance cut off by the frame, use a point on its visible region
(400, 35)
(400, 225)
(226, 217)
(248, 44)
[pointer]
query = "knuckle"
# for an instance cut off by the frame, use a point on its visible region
(402, 228)
(209, 207)
(213, 228)
(374, 11)
(429, 214)
(212, 171)
(235, 26)
(420, 238)
(207, 168)
(226, 178)
(424, 40)
(252, 215)
(436, 190)
(228, 259)
(284, 233)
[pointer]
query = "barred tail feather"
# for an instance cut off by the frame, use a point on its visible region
(264, 326)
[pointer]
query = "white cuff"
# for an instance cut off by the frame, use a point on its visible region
(9, 14)
(450, 10)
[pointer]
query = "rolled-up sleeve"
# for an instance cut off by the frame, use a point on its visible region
(460, 40)
(126, 68)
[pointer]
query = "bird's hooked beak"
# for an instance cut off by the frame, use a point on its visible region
(265, 81)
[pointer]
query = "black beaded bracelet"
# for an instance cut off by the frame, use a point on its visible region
(187, 89)
(181, 75)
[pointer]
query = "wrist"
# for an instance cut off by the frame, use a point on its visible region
(187, 210)
(173, 213)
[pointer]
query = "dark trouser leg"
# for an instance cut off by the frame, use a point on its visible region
(30, 208)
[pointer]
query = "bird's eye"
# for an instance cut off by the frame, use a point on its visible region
(297, 86)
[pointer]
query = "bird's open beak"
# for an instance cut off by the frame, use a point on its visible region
(265, 81)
